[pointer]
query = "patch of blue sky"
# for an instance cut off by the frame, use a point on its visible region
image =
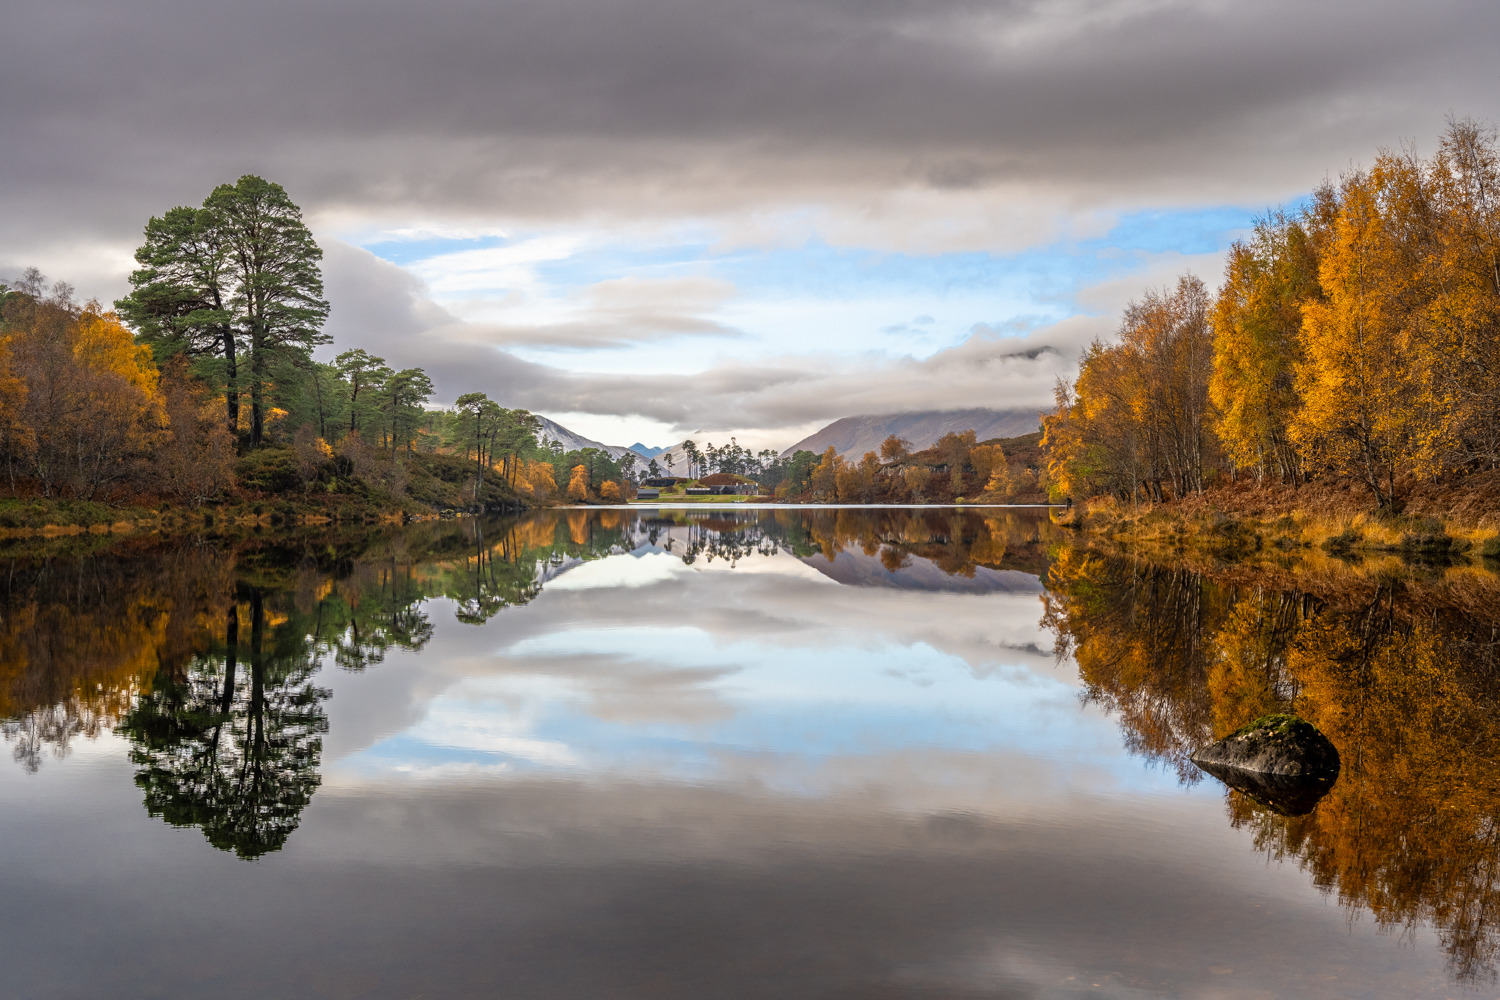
(814, 294)
(1053, 271)
(405, 252)
(1193, 231)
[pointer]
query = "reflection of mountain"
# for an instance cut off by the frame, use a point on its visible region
(854, 569)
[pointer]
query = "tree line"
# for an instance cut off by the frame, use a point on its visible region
(1356, 337)
(201, 381)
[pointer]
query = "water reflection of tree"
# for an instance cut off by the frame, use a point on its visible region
(1139, 636)
(1407, 690)
(955, 541)
(231, 741)
(376, 608)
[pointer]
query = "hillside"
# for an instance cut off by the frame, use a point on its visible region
(551, 430)
(853, 436)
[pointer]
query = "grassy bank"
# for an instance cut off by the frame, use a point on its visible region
(273, 488)
(1458, 518)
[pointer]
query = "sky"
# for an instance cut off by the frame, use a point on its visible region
(649, 219)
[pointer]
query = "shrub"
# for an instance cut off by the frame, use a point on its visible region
(269, 470)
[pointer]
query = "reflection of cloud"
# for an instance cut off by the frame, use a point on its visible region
(562, 888)
(628, 687)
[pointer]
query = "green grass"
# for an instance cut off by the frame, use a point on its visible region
(39, 513)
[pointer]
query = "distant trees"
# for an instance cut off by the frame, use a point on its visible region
(361, 371)
(578, 483)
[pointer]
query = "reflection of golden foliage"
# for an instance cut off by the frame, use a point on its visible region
(578, 526)
(988, 548)
(537, 532)
(1140, 635)
(1410, 695)
(1249, 675)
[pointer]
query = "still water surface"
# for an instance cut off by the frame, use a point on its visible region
(833, 753)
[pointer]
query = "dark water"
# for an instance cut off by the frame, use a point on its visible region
(833, 753)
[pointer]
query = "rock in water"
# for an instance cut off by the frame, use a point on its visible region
(1282, 794)
(1274, 744)
(1281, 761)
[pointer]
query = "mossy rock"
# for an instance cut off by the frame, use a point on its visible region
(1285, 745)
(1282, 762)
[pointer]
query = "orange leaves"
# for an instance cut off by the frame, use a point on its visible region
(578, 483)
(1257, 325)
(536, 478)
(90, 411)
(825, 475)
(1139, 416)
(102, 343)
(1359, 338)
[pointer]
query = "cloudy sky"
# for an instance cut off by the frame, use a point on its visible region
(646, 218)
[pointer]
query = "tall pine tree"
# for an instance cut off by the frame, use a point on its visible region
(238, 278)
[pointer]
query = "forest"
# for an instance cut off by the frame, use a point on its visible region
(199, 389)
(1353, 340)
(957, 468)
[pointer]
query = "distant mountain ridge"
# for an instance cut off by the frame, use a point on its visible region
(853, 436)
(551, 430)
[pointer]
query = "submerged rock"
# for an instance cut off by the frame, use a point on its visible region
(1286, 795)
(1281, 761)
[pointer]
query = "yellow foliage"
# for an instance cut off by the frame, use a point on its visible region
(536, 478)
(609, 492)
(825, 475)
(578, 483)
(985, 459)
(1257, 325)
(1357, 406)
(101, 342)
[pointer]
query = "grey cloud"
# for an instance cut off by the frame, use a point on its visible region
(548, 108)
(619, 312)
(388, 314)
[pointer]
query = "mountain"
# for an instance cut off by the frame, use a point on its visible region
(853, 436)
(551, 430)
(646, 453)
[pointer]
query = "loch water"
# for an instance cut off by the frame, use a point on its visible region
(724, 753)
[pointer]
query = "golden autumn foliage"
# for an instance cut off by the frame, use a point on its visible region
(609, 492)
(825, 475)
(536, 478)
(1358, 338)
(1138, 419)
(1257, 325)
(90, 409)
(578, 483)
(84, 412)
